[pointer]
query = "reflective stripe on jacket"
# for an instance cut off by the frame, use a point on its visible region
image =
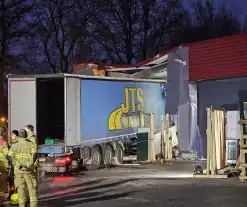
(22, 154)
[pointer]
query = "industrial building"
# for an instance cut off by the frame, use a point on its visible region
(210, 73)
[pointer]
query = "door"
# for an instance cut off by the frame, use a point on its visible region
(72, 111)
(21, 103)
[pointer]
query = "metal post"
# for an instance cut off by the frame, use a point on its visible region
(152, 137)
(162, 137)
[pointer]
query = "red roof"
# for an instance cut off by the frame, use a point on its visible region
(224, 57)
(210, 59)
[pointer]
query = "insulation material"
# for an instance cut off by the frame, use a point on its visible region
(172, 134)
(91, 69)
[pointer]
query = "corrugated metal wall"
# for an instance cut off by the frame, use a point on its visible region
(218, 58)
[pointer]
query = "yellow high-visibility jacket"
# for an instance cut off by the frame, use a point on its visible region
(22, 154)
(4, 164)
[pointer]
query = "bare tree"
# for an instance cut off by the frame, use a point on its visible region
(131, 30)
(244, 26)
(113, 27)
(59, 25)
(159, 19)
(14, 26)
(206, 22)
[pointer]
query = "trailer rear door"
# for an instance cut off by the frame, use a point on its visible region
(72, 111)
(22, 103)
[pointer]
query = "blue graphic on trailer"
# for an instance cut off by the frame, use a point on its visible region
(112, 108)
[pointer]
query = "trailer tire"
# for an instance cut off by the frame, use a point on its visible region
(119, 154)
(96, 158)
(108, 156)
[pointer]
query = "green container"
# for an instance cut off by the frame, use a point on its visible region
(142, 146)
(51, 141)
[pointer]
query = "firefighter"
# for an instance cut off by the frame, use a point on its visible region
(14, 139)
(4, 165)
(23, 155)
(14, 136)
(31, 136)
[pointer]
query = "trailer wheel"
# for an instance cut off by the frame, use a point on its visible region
(96, 158)
(108, 155)
(119, 154)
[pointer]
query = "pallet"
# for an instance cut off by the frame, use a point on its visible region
(222, 173)
(210, 176)
(243, 179)
(224, 170)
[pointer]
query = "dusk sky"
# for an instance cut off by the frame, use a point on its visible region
(240, 6)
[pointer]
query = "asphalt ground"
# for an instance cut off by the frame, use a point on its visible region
(145, 185)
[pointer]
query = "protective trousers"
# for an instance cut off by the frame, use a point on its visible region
(26, 182)
(3, 185)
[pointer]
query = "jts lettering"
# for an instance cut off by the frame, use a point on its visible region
(129, 115)
(135, 94)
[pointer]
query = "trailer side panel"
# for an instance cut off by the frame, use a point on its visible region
(111, 109)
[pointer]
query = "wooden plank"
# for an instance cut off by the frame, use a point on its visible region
(168, 141)
(220, 141)
(152, 137)
(242, 160)
(210, 176)
(208, 140)
(238, 162)
(243, 121)
(162, 136)
(167, 144)
(213, 142)
(223, 140)
(221, 158)
(217, 140)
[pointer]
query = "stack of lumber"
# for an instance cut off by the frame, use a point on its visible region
(165, 153)
(216, 144)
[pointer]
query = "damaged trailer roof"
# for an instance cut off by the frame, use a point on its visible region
(63, 75)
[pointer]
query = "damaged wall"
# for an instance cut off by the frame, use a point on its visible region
(218, 94)
(178, 100)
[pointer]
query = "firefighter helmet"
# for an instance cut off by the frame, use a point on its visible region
(14, 199)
